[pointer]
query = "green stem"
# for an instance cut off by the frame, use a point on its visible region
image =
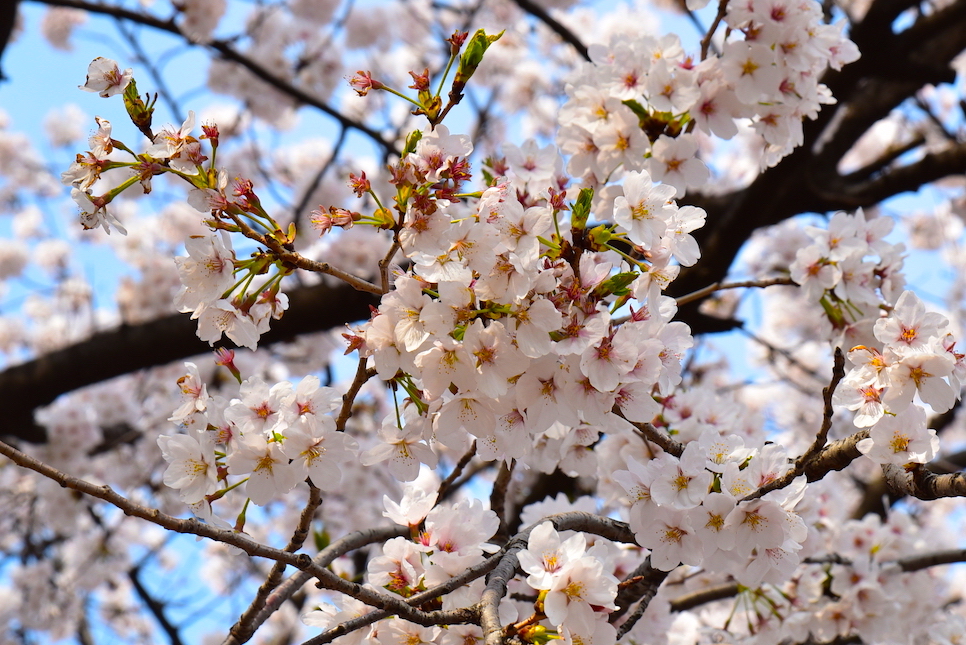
(449, 66)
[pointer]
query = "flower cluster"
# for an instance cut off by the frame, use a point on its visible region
(445, 541)
(277, 435)
(576, 586)
(217, 289)
(504, 329)
(913, 355)
(849, 268)
(692, 509)
(630, 107)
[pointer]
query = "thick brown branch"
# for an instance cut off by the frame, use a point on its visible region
(922, 484)
(115, 352)
(647, 581)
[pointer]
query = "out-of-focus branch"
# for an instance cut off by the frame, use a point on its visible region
(900, 179)
(154, 606)
(565, 34)
(8, 17)
(226, 51)
(731, 589)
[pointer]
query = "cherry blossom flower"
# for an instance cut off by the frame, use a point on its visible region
(169, 142)
(106, 78)
(418, 499)
(758, 524)
(268, 469)
(922, 373)
(207, 272)
(580, 588)
(399, 568)
(191, 464)
(222, 317)
(901, 439)
(195, 399)
(460, 529)
(546, 555)
(261, 408)
(673, 162)
(910, 325)
(644, 209)
(94, 213)
(318, 451)
(683, 483)
(854, 393)
(403, 448)
(668, 533)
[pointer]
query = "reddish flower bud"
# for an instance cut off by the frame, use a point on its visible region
(420, 81)
(226, 358)
(359, 185)
(211, 133)
(456, 41)
(557, 200)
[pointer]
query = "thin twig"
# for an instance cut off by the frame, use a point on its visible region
(821, 438)
(565, 34)
(155, 606)
(706, 41)
(452, 584)
(324, 558)
(225, 49)
(348, 399)
(446, 484)
(244, 628)
(721, 286)
(317, 179)
(156, 77)
(326, 579)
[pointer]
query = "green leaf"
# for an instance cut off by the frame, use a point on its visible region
(473, 56)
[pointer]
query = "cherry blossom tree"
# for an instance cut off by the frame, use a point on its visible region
(462, 367)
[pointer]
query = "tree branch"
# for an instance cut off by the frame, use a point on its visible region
(565, 34)
(154, 606)
(226, 51)
(243, 629)
(28, 386)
